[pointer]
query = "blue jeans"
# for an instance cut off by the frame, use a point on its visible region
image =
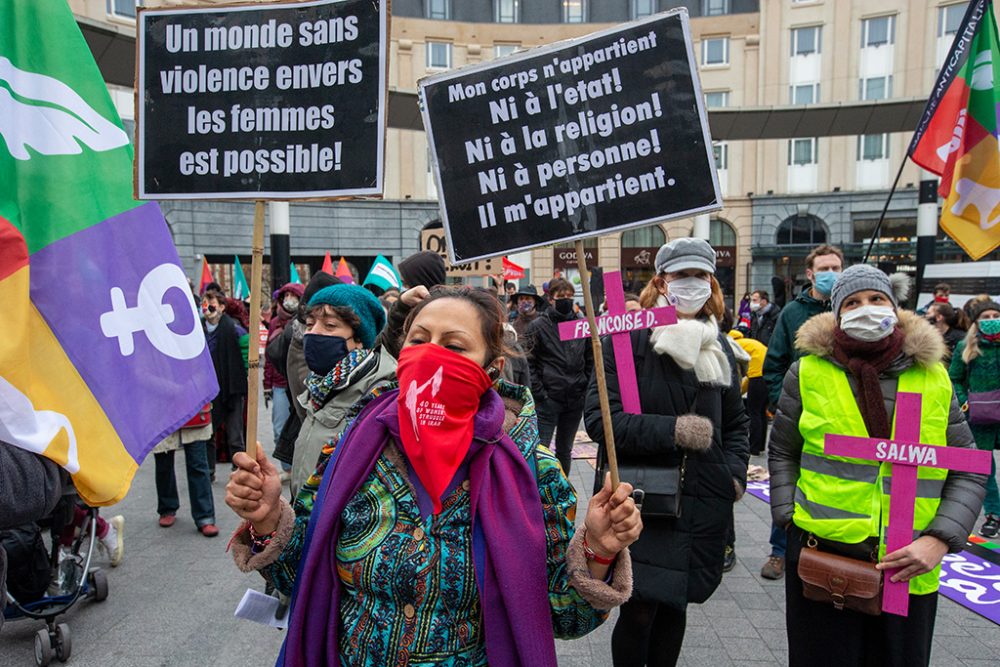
(779, 540)
(199, 483)
(281, 410)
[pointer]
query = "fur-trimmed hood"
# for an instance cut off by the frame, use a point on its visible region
(923, 343)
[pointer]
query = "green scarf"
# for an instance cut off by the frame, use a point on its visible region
(322, 386)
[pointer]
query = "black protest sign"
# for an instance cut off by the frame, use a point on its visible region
(280, 101)
(572, 140)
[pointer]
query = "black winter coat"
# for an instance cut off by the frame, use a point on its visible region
(762, 325)
(676, 561)
(560, 370)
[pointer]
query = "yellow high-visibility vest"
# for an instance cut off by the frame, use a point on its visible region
(844, 499)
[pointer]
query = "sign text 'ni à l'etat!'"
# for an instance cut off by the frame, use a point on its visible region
(283, 100)
(572, 140)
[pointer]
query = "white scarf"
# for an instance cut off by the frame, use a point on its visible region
(694, 344)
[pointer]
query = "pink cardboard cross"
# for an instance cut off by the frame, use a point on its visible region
(618, 322)
(906, 454)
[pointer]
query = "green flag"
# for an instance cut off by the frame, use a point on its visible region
(384, 275)
(241, 288)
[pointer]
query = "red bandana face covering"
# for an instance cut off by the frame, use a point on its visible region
(439, 393)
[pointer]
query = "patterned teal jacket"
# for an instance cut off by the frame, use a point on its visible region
(410, 595)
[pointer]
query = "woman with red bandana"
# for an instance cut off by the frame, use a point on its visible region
(437, 531)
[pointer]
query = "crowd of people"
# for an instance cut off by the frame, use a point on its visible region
(417, 500)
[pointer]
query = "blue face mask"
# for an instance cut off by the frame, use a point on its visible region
(825, 281)
(322, 353)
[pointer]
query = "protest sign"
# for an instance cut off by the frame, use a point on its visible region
(906, 454)
(572, 140)
(434, 240)
(255, 102)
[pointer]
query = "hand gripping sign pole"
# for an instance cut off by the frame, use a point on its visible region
(618, 323)
(906, 454)
(253, 354)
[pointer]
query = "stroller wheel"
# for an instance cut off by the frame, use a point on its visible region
(64, 642)
(43, 648)
(99, 581)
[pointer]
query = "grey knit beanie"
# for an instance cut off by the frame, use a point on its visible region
(858, 278)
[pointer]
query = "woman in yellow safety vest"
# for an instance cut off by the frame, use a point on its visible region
(857, 357)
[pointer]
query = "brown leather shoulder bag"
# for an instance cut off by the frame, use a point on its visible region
(846, 583)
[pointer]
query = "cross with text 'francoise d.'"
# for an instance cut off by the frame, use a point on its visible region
(618, 322)
(906, 454)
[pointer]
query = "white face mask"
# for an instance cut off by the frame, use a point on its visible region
(869, 323)
(754, 307)
(689, 294)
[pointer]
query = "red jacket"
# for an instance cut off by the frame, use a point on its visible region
(272, 376)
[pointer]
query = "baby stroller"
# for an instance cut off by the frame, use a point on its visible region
(44, 583)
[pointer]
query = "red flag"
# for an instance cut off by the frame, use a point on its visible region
(327, 264)
(512, 271)
(206, 276)
(344, 273)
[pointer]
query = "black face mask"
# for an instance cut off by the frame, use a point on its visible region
(322, 353)
(564, 306)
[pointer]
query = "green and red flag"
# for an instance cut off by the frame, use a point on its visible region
(241, 288)
(957, 135)
(206, 276)
(103, 353)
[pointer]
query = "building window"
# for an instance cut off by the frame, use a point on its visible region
(806, 40)
(574, 11)
(875, 88)
(501, 50)
(806, 93)
(714, 7)
(438, 55)
(950, 18)
(721, 152)
(878, 31)
(439, 9)
(715, 51)
(123, 8)
(721, 234)
(644, 237)
(507, 11)
(873, 147)
(802, 151)
(804, 229)
(717, 99)
(641, 8)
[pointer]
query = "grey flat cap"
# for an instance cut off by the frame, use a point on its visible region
(685, 253)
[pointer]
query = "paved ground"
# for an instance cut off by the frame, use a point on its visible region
(172, 602)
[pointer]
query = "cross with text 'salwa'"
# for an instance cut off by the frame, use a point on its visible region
(906, 454)
(618, 322)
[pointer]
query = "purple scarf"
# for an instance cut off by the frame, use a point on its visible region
(508, 544)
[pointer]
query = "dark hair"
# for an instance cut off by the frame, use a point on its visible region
(825, 249)
(762, 294)
(954, 318)
(631, 296)
(726, 323)
(943, 287)
(491, 315)
(560, 285)
(343, 313)
(509, 284)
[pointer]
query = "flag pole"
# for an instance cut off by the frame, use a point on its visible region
(878, 227)
(253, 354)
(602, 385)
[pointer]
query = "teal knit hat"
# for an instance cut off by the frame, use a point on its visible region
(361, 301)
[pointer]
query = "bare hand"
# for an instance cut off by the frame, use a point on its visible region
(918, 558)
(414, 295)
(613, 520)
(254, 490)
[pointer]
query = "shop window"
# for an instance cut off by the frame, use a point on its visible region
(804, 229)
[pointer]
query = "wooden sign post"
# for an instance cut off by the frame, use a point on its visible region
(618, 323)
(906, 454)
(253, 354)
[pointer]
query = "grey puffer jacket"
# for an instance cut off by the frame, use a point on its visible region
(962, 495)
